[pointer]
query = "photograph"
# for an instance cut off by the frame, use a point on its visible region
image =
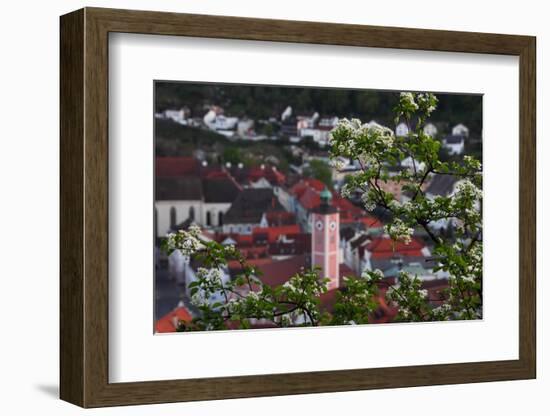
(282, 206)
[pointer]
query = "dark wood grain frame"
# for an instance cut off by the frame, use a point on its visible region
(84, 207)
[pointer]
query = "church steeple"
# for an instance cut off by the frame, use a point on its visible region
(325, 206)
(325, 239)
(326, 197)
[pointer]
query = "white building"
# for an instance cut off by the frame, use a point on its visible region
(319, 136)
(287, 113)
(214, 120)
(461, 130)
(430, 130)
(401, 130)
(454, 144)
(225, 123)
(179, 116)
(354, 251)
(245, 127)
(328, 122)
(180, 199)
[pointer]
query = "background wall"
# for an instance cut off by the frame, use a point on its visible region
(29, 159)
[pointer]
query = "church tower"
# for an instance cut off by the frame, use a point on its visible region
(325, 240)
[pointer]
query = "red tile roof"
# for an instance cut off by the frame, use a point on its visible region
(385, 313)
(206, 171)
(261, 262)
(310, 199)
(271, 174)
(328, 299)
(277, 273)
(307, 192)
(169, 166)
(436, 290)
(216, 174)
(296, 244)
(169, 321)
(370, 222)
(254, 251)
(345, 270)
(298, 189)
(345, 204)
(276, 218)
(385, 247)
(240, 239)
(273, 233)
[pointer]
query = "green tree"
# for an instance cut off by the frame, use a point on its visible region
(245, 300)
(232, 155)
(268, 129)
(319, 170)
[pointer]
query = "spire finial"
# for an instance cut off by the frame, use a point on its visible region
(326, 197)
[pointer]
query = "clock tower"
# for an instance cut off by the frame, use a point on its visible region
(325, 240)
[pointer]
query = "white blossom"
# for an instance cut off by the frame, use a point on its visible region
(368, 274)
(230, 249)
(253, 296)
(199, 299)
(408, 98)
(194, 230)
(368, 202)
(337, 164)
(210, 276)
(423, 99)
(367, 159)
(442, 309)
(383, 134)
(467, 190)
(171, 241)
(399, 231)
(394, 204)
(470, 278)
(345, 191)
(186, 241)
(472, 162)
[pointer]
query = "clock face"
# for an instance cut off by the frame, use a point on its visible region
(332, 226)
(319, 225)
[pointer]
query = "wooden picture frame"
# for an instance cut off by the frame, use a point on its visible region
(84, 207)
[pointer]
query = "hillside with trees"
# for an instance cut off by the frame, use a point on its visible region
(262, 102)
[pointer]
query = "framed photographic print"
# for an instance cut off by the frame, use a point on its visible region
(259, 207)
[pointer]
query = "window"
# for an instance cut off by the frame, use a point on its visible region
(208, 218)
(192, 213)
(172, 217)
(220, 218)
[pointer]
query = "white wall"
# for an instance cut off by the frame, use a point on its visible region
(182, 213)
(214, 208)
(29, 172)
